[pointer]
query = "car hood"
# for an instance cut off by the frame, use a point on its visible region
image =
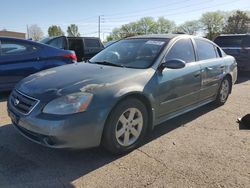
(74, 78)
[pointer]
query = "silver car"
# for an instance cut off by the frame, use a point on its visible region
(122, 92)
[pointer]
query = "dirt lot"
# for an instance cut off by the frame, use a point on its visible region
(204, 148)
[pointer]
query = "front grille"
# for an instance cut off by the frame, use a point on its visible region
(23, 103)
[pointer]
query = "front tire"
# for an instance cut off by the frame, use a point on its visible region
(223, 91)
(126, 126)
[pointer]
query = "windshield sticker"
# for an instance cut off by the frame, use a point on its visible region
(155, 42)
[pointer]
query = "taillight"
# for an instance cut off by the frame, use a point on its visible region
(71, 56)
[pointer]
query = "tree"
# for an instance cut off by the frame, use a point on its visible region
(237, 23)
(73, 31)
(55, 31)
(190, 27)
(212, 23)
(146, 25)
(35, 32)
(164, 25)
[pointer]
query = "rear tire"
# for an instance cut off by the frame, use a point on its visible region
(223, 91)
(126, 126)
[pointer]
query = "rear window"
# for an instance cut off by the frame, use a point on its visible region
(233, 41)
(91, 43)
(9, 47)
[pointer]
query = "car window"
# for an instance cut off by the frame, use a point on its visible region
(16, 48)
(233, 41)
(205, 50)
(246, 42)
(182, 49)
(92, 43)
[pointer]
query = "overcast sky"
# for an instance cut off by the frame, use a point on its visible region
(16, 14)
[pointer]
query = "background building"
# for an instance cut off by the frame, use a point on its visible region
(5, 33)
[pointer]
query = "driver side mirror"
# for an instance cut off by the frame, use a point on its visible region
(173, 64)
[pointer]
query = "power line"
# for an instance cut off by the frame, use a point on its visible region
(141, 10)
(181, 12)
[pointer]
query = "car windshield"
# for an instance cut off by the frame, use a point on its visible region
(132, 53)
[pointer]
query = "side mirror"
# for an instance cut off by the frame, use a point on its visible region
(173, 64)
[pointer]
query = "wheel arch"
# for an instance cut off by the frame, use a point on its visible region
(139, 96)
(229, 76)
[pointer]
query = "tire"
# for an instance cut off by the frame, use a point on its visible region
(126, 126)
(223, 91)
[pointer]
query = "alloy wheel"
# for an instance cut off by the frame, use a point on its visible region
(129, 127)
(224, 91)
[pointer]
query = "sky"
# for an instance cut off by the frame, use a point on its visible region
(15, 15)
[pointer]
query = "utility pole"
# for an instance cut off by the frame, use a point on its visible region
(99, 26)
(27, 31)
(100, 20)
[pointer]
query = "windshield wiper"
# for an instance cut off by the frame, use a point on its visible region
(107, 63)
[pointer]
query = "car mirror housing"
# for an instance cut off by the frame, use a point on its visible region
(173, 64)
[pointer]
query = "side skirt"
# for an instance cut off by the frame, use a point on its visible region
(182, 111)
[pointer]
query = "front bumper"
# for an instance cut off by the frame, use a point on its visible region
(82, 130)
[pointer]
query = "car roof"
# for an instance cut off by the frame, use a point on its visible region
(71, 37)
(21, 40)
(232, 35)
(166, 36)
(31, 42)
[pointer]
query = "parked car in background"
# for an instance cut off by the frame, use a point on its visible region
(84, 47)
(237, 45)
(125, 90)
(20, 58)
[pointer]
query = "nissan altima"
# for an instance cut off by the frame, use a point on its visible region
(122, 92)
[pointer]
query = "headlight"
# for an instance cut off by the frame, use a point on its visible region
(69, 104)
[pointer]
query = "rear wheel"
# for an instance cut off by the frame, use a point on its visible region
(223, 91)
(126, 126)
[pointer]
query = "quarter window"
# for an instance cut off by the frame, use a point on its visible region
(16, 48)
(182, 49)
(205, 50)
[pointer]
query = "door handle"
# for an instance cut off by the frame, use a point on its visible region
(197, 74)
(209, 68)
(222, 67)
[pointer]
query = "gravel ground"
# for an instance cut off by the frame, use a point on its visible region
(203, 148)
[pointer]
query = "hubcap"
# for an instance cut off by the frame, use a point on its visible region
(224, 90)
(129, 127)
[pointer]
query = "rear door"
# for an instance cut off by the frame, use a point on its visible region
(212, 68)
(18, 59)
(76, 45)
(244, 57)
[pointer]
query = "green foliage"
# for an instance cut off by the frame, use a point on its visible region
(189, 27)
(55, 31)
(212, 23)
(146, 25)
(73, 31)
(237, 23)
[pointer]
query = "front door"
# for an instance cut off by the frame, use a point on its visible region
(179, 88)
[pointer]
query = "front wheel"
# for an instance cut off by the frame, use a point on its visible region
(223, 91)
(126, 126)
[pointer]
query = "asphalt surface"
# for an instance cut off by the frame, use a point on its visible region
(203, 148)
